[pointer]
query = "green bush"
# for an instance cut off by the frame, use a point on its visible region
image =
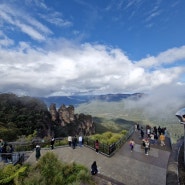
(49, 170)
(108, 137)
(53, 171)
(10, 173)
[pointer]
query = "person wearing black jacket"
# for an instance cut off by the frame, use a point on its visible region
(94, 169)
(52, 143)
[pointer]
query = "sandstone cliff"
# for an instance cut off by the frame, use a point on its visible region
(68, 121)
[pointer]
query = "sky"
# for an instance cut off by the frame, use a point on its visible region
(82, 47)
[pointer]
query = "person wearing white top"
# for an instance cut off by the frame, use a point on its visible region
(80, 141)
(69, 140)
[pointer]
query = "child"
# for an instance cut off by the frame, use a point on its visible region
(131, 143)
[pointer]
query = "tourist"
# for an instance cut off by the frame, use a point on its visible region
(143, 144)
(97, 146)
(155, 138)
(131, 144)
(52, 143)
(152, 139)
(136, 127)
(142, 133)
(162, 139)
(37, 153)
(4, 152)
(94, 169)
(159, 130)
(74, 142)
(147, 146)
(10, 151)
(155, 130)
(80, 141)
(148, 131)
(69, 140)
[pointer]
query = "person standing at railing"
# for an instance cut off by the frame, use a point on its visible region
(52, 143)
(97, 146)
(74, 142)
(4, 153)
(10, 151)
(69, 140)
(1, 145)
(37, 152)
(80, 141)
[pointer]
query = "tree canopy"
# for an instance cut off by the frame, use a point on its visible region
(22, 116)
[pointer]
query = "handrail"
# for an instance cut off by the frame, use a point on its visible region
(14, 158)
(109, 150)
(105, 149)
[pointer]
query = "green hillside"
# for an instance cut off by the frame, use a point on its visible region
(120, 115)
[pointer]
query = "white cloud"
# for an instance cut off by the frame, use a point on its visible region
(55, 18)
(167, 57)
(23, 21)
(5, 41)
(71, 68)
(64, 67)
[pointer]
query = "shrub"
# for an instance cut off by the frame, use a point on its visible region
(108, 137)
(10, 173)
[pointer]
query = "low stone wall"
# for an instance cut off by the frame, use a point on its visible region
(172, 169)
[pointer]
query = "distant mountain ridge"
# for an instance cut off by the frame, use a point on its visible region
(76, 100)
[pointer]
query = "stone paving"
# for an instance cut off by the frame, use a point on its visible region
(125, 167)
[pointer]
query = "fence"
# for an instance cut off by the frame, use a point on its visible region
(20, 148)
(14, 158)
(30, 146)
(106, 149)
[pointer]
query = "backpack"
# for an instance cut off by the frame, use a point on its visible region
(147, 145)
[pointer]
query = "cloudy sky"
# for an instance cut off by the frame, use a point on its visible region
(66, 47)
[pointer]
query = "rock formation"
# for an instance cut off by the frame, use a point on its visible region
(66, 114)
(53, 112)
(78, 124)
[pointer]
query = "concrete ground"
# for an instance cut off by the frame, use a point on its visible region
(125, 167)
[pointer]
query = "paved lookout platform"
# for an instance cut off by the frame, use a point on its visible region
(125, 167)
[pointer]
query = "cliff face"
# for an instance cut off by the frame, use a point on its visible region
(66, 114)
(53, 112)
(77, 124)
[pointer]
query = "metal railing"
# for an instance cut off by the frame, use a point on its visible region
(14, 158)
(20, 148)
(106, 149)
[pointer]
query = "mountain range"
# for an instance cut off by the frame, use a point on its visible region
(76, 100)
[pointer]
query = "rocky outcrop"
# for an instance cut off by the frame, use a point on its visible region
(66, 114)
(69, 122)
(53, 112)
(85, 124)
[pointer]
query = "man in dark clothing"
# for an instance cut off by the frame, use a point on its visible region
(142, 134)
(74, 142)
(37, 152)
(94, 169)
(52, 143)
